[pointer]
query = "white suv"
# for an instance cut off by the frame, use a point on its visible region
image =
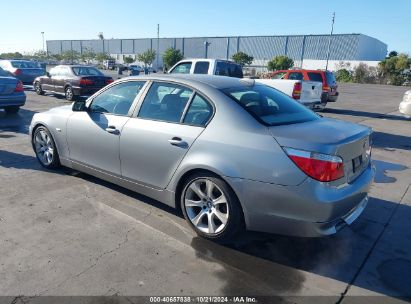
(208, 67)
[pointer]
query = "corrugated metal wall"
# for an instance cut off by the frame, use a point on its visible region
(343, 46)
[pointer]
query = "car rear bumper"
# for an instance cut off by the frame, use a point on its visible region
(333, 96)
(12, 100)
(311, 209)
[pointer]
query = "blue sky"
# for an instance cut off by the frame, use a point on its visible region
(21, 28)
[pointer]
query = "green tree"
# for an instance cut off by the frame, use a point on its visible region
(11, 55)
(88, 55)
(394, 68)
(70, 55)
(128, 59)
(147, 57)
(280, 63)
(343, 75)
(392, 54)
(171, 56)
(242, 59)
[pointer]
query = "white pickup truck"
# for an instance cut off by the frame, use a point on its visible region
(308, 93)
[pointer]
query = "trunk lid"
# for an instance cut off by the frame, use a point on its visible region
(329, 136)
(7, 85)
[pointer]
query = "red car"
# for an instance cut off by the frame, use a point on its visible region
(327, 78)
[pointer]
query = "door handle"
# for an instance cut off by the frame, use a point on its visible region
(112, 130)
(177, 141)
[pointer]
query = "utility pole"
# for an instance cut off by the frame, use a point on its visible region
(42, 34)
(329, 41)
(158, 44)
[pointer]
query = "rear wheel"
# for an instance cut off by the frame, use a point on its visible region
(45, 148)
(12, 109)
(211, 208)
(69, 94)
(38, 88)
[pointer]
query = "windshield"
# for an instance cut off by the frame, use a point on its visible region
(24, 65)
(86, 71)
(269, 106)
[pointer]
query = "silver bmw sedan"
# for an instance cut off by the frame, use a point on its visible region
(231, 153)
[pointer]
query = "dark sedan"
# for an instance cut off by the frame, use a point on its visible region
(72, 81)
(24, 70)
(12, 95)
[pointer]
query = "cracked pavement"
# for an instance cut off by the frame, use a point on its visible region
(64, 233)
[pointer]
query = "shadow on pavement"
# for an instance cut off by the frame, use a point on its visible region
(381, 171)
(17, 123)
(391, 141)
(364, 114)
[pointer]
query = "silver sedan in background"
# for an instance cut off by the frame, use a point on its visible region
(231, 153)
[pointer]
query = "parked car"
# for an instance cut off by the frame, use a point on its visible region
(72, 81)
(231, 153)
(405, 105)
(327, 78)
(308, 93)
(24, 70)
(12, 95)
(109, 64)
(208, 67)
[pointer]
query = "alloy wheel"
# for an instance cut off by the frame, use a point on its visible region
(44, 147)
(206, 206)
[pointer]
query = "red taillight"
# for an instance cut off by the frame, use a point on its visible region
(108, 81)
(297, 90)
(19, 87)
(86, 82)
(17, 72)
(321, 167)
(326, 88)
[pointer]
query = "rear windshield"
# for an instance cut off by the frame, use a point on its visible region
(86, 71)
(225, 68)
(315, 76)
(25, 65)
(269, 106)
(330, 78)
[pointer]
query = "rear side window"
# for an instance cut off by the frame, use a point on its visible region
(330, 78)
(199, 112)
(235, 70)
(201, 67)
(270, 106)
(24, 65)
(279, 75)
(296, 76)
(221, 68)
(182, 68)
(165, 102)
(315, 76)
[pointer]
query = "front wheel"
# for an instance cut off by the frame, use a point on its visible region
(45, 148)
(211, 208)
(12, 109)
(69, 94)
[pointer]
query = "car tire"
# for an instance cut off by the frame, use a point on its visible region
(45, 148)
(69, 94)
(221, 218)
(12, 109)
(38, 89)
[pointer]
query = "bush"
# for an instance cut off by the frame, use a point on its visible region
(343, 75)
(280, 63)
(171, 57)
(128, 59)
(147, 57)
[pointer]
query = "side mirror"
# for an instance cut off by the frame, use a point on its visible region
(48, 74)
(79, 106)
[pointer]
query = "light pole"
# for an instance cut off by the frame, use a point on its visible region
(329, 42)
(42, 34)
(206, 45)
(158, 43)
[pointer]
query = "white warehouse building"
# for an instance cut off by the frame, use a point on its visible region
(307, 51)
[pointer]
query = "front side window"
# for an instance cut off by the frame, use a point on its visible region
(199, 112)
(278, 75)
(117, 99)
(182, 68)
(165, 102)
(270, 106)
(24, 64)
(201, 67)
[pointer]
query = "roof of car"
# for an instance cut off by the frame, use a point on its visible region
(218, 82)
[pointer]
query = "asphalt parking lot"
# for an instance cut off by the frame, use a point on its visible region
(65, 233)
